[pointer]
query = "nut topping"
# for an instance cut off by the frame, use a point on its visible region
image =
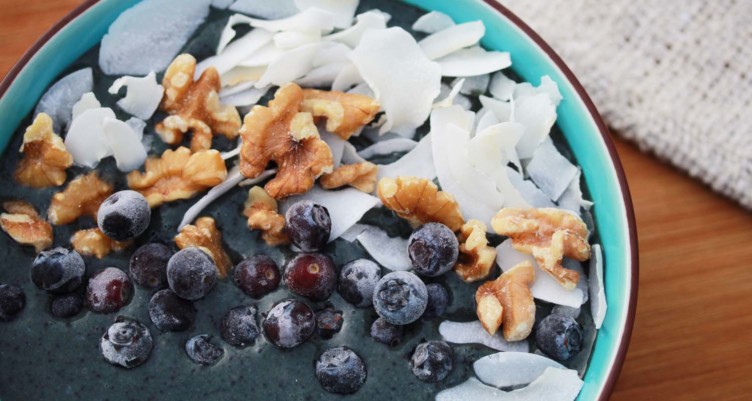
(45, 156)
(361, 176)
(476, 257)
(345, 113)
(508, 301)
(81, 197)
(261, 210)
(93, 242)
(204, 234)
(419, 201)
(25, 226)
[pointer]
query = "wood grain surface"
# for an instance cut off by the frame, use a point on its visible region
(693, 335)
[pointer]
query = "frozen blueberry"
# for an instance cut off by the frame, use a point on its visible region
(433, 249)
(149, 265)
(108, 290)
(308, 224)
(127, 343)
(58, 270)
(191, 273)
(66, 305)
(12, 302)
(559, 337)
(357, 281)
(239, 327)
(169, 312)
(257, 276)
(328, 322)
(203, 351)
(289, 323)
(124, 215)
(387, 333)
(341, 371)
(400, 297)
(438, 300)
(311, 275)
(432, 361)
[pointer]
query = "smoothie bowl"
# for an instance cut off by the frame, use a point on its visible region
(305, 200)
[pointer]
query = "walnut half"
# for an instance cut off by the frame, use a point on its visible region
(345, 113)
(45, 156)
(508, 301)
(25, 226)
(476, 257)
(81, 197)
(261, 210)
(92, 241)
(361, 176)
(419, 201)
(204, 234)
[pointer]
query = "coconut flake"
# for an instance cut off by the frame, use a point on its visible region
(452, 39)
(547, 86)
(263, 56)
(501, 110)
(86, 140)
(474, 333)
(493, 148)
(125, 143)
(554, 384)
(572, 199)
(290, 39)
(348, 78)
(450, 96)
(532, 195)
(290, 66)
(253, 181)
(352, 233)
(380, 53)
(507, 369)
(474, 86)
(231, 56)
(342, 10)
(87, 102)
(323, 76)
(473, 61)
(231, 90)
(58, 101)
(143, 95)
(373, 19)
(390, 252)
(550, 171)
(241, 75)
(501, 87)
(350, 154)
(416, 163)
(336, 145)
(267, 9)
(484, 118)
(432, 22)
(248, 97)
(598, 304)
(387, 147)
(538, 114)
(574, 313)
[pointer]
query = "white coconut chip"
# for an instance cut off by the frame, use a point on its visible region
(262, 57)
(474, 333)
(449, 94)
(87, 102)
(553, 385)
(267, 9)
(484, 118)
(350, 154)
(248, 97)
(231, 90)
(544, 287)
(538, 114)
(142, 97)
(550, 171)
(380, 53)
(416, 163)
(231, 56)
(373, 19)
(572, 199)
(86, 140)
(598, 304)
(432, 22)
(253, 181)
(474, 86)
(365, 89)
(125, 143)
(290, 66)
(493, 148)
(501, 110)
(321, 77)
(473, 61)
(240, 75)
(343, 10)
(574, 313)
(352, 233)
(390, 252)
(287, 40)
(451, 39)
(348, 78)
(232, 153)
(507, 369)
(501, 87)
(387, 147)
(546, 86)
(333, 53)
(532, 195)
(58, 101)
(336, 145)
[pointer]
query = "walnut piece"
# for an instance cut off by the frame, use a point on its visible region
(282, 134)
(194, 106)
(93, 242)
(476, 257)
(178, 174)
(361, 176)
(549, 235)
(204, 234)
(419, 201)
(261, 210)
(45, 156)
(25, 226)
(508, 301)
(345, 113)
(81, 197)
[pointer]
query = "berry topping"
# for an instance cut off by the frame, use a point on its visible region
(239, 327)
(357, 281)
(191, 273)
(433, 249)
(432, 361)
(559, 337)
(341, 371)
(400, 297)
(308, 225)
(108, 290)
(311, 275)
(203, 351)
(289, 323)
(257, 276)
(169, 312)
(387, 333)
(124, 215)
(438, 300)
(58, 270)
(149, 265)
(127, 343)
(12, 302)
(66, 305)
(328, 322)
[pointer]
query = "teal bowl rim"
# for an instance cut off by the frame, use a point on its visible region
(614, 368)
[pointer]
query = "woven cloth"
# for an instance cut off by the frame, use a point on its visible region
(673, 76)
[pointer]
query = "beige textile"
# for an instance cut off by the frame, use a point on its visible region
(674, 76)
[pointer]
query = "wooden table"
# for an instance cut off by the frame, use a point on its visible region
(693, 335)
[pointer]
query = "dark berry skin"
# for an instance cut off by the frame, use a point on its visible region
(12, 302)
(328, 322)
(124, 215)
(433, 249)
(257, 276)
(341, 371)
(308, 225)
(438, 300)
(66, 305)
(311, 275)
(148, 265)
(58, 270)
(203, 351)
(289, 323)
(127, 343)
(239, 327)
(432, 361)
(387, 333)
(400, 297)
(169, 312)
(357, 280)
(108, 290)
(559, 336)
(191, 273)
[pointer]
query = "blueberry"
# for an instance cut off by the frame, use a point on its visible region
(191, 273)
(438, 300)
(328, 322)
(124, 215)
(357, 281)
(149, 265)
(12, 302)
(127, 343)
(203, 351)
(58, 270)
(239, 327)
(387, 333)
(108, 290)
(559, 337)
(400, 297)
(67, 305)
(311, 275)
(169, 312)
(341, 371)
(257, 276)
(308, 225)
(432, 361)
(433, 249)
(289, 323)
